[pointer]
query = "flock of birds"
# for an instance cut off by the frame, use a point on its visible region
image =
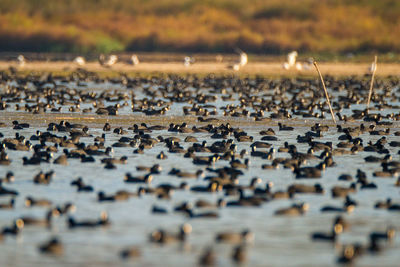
(293, 63)
(219, 156)
(105, 61)
(110, 60)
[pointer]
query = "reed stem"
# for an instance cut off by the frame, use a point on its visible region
(326, 92)
(372, 81)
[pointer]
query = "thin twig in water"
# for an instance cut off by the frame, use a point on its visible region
(374, 66)
(326, 92)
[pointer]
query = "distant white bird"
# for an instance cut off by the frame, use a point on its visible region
(135, 60)
(236, 67)
(21, 60)
(291, 58)
(111, 60)
(242, 60)
(187, 61)
(291, 61)
(286, 66)
(80, 61)
(372, 68)
(299, 66)
(308, 64)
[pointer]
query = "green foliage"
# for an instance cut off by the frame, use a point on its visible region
(108, 45)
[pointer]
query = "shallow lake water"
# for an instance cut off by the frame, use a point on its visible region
(278, 240)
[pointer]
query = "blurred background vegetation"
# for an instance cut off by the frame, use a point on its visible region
(194, 26)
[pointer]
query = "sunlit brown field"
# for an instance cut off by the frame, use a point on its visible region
(258, 68)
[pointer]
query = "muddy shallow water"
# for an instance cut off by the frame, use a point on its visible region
(279, 240)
